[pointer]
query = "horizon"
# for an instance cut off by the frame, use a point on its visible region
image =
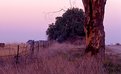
(22, 20)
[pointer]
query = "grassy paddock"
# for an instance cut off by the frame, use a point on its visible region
(57, 59)
(11, 49)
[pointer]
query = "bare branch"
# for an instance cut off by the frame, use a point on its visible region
(58, 11)
(70, 3)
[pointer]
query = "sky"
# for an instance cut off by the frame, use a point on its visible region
(22, 20)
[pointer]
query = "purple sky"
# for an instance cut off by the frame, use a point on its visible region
(21, 20)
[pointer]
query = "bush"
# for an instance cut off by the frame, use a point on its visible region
(118, 44)
(69, 25)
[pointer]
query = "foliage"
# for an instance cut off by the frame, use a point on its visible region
(69, 25)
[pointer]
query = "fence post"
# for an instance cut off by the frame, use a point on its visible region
(32, 45)
(37, 51)
(17, 55)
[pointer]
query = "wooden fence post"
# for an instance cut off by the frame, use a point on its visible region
(32, 49)
(17, 55)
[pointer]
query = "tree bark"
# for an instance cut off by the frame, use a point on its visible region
(95, 36)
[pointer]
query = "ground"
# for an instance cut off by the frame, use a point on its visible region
(57, 59)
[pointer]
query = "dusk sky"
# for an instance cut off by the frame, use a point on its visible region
(21, 20)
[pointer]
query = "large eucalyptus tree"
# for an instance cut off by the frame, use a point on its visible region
(95, 36)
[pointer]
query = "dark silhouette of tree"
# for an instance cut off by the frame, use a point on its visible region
(95, 36)
(71, 24)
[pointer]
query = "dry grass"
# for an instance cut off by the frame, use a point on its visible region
(113, 63)
(57, 59)
(11, 49)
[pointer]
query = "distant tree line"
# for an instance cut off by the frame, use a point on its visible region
(69, 25)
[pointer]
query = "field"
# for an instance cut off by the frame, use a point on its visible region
(11, 49)
(113, 59)
(55, 59)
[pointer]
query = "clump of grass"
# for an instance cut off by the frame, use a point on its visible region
(113, 64)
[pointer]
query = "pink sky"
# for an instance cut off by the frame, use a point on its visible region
(21, 20)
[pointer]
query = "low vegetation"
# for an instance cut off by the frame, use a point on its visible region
(112, 62)
(57, 59)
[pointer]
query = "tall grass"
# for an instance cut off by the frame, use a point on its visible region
(57, 59)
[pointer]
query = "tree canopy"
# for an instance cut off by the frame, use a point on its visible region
(69, 25)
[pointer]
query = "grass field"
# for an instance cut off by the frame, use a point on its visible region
(57, 59)
(11, 49)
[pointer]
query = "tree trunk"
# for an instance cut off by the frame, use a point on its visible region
(95, 37)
